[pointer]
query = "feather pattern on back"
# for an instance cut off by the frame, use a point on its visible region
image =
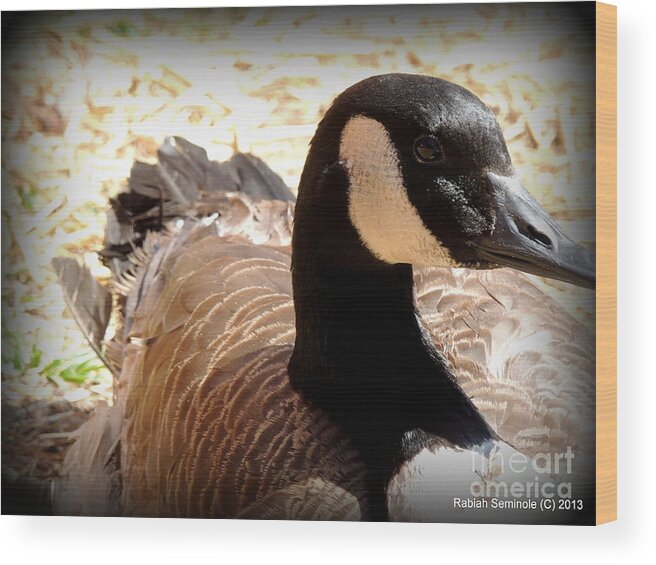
(527, 365)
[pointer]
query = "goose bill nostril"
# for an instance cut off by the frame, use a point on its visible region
(537, 236)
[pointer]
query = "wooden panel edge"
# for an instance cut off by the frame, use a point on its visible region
(606, 237)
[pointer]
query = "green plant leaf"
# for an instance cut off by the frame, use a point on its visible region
(52, 368)
(35, 358)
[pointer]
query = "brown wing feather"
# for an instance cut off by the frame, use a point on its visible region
(211, 424)
(527, 364)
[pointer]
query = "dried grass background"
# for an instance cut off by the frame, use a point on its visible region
(84, 94)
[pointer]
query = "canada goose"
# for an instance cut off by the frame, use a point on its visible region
(233, 400)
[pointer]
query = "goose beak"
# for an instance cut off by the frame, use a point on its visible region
(526, 238)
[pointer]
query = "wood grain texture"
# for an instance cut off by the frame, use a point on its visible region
(606, 171)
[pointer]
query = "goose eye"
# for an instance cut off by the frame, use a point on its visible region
(427, 149)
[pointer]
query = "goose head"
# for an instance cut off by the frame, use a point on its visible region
(428, 181)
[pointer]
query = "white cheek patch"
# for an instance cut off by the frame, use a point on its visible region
(379, 208)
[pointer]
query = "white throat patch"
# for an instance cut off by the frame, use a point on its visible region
(379, 208)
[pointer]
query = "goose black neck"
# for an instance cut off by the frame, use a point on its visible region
(361, 354)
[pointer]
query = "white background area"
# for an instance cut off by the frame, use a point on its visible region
(122, 541)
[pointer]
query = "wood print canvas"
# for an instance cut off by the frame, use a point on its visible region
(310, 263)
